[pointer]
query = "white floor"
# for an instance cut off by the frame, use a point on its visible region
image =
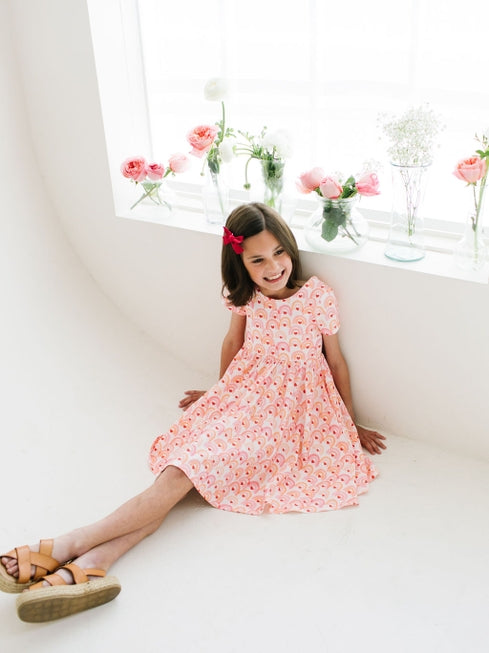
(407, 570)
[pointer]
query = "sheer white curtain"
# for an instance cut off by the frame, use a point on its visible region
(323, 71)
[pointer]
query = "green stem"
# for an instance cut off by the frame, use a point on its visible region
(478, 204)
(143, 196)
(215, 181)
(345, 228)
(223, 123)
(247, 185)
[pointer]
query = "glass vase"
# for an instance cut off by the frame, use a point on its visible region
(215, 198)
(472, 251)
(406, 240)
(273, 179)
(336, 226)
(155, 196)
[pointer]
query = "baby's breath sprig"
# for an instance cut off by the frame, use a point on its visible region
(412, 136)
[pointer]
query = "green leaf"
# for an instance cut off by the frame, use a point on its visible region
(329, 230)
(213, 163)
(334, 214)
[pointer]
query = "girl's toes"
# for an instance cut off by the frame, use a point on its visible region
(11, 566)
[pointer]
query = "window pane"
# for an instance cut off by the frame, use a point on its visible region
(323, 71)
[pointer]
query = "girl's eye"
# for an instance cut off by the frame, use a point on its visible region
(279, 252)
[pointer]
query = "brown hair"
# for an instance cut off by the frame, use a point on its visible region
(249, 220)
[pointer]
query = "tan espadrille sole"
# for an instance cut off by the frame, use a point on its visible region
(58, 599)
(50, 603)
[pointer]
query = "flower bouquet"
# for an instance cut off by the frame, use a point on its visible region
(337, 222)
(412, 140)
(213, 143)
(150, 176)
(271, 149)
(472, 251)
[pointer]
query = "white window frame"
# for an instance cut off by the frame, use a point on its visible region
(120, 71)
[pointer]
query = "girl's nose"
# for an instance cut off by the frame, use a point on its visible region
(273, 267)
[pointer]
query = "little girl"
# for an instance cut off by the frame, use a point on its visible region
(275, 433)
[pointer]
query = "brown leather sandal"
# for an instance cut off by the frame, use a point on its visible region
(43, 562)
(59, 599)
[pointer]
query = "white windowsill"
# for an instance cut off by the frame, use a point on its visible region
(187, 214)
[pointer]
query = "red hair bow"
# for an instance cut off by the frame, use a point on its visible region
(235, 241)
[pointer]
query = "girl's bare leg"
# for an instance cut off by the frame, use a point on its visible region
(104, 555)
(112, 536)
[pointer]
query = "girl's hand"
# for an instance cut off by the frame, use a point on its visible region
(371, 440)
(191, 396)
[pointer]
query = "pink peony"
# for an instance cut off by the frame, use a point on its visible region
(471, 170)
(330, 188)
(179, 162)
(310, 180)
(155, 171)
(368, 185)
(134, 168)
(201, 139)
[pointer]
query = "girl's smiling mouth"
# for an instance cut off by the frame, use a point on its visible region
(275, 278)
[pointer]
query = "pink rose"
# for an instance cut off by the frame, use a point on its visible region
(179, 162)
(310, 180)
(368, 185)
(134, 168)
(330, 188)
(471, 170)
(201, 139)
(155, 171)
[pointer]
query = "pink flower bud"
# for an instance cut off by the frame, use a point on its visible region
(155, 171)
(471, 170)
(330, 188)
(368, 185)
(310, 180)
(179, 162)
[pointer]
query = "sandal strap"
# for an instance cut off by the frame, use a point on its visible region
(52, 579)
(43, 561)
(79, 576)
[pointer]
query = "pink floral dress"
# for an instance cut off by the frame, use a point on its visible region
(273, 434)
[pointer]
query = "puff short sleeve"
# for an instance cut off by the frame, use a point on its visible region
(326, 309)
(240, 310)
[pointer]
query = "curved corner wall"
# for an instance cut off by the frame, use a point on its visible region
(76, 375)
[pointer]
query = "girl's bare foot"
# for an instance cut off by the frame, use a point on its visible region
(90, 560)
(60, 552)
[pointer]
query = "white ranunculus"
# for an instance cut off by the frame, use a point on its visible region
(280, 140)
(215, 89)
(226, 150)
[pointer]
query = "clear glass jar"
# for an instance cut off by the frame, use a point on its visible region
(336, 226)
(406, 237)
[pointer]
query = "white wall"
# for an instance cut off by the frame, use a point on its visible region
(73, 369)
(416, 344)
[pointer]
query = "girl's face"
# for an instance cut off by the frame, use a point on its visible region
(268, 264)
